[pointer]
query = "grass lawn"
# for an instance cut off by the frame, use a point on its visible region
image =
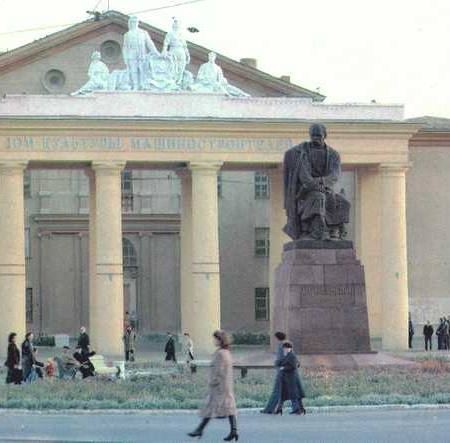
(428, 382)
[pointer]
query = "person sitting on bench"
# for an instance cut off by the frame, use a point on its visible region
(67, 365)
(85, 365)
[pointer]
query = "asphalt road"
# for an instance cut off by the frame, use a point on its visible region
(346, 427)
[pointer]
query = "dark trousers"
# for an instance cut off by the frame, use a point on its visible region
(171, 357)
(14, 375)
(129, 355)
(428, 341)
(439, 338)
(410, 338)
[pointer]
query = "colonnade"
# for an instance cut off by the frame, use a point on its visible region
(381, 241)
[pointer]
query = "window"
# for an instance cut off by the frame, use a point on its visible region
(262, 307)
(110, 51)
(129, 253)
(262, 242)
(219, 185)
(54, 81)
(127, 191)
(27, 243)
(27, 184)
(261, 185)
(29, 304)
(127, 181)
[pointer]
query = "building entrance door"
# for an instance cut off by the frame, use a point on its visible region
(130, 301)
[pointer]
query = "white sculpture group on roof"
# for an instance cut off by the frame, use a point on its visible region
(147, 69)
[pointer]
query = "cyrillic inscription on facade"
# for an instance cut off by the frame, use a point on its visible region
(112, 143)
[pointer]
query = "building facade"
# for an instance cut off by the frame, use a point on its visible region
(162, 164)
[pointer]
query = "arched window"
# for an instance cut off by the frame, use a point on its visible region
(129, 253)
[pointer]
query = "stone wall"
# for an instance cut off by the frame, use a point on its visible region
(428, 210)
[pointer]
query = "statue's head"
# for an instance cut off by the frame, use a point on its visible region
(133, 22)
(175, 24)
(212, 57)
(96, 55)
(318, 134)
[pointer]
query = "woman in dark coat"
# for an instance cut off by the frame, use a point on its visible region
(14, 374)
(275, 398)
(27, 355)
(291, 387)
(169, 349)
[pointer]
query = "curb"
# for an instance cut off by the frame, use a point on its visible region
(246, 411)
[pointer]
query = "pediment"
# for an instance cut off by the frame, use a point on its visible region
(50, 50)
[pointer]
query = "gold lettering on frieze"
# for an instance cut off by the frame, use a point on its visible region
(53, 143)
(208, 144)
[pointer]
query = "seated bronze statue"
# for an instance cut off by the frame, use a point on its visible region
(314, 211)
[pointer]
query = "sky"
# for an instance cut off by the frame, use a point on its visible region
(391, 51)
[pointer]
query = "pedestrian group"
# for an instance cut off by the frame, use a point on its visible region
(24, 367)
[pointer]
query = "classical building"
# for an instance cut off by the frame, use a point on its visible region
(168, 205)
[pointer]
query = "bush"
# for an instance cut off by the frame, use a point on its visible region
(44, 340)
(250, 338)
(323, 387)
(158, 337)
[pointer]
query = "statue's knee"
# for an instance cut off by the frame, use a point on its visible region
(317, 195)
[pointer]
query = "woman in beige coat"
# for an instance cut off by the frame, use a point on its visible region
(220, 402)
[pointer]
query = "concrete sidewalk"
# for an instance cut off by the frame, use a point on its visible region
(413, 425)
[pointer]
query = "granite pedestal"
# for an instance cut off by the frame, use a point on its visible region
(320, 298)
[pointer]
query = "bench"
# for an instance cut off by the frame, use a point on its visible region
(101, 368)
(65, 373)
(243, 368)
(194, 364)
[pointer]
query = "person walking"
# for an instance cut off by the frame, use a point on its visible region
(83, 340)
(14, 374)
(445, 334)
(291, 387)
(410, 332)
(27, 356)
(428, 335)
(169, 349)
(129, 340)
(275, 398)
(220, 401)
(439, 333)
(188, 348)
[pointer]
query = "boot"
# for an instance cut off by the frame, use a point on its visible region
(233, 435)
(199, 431)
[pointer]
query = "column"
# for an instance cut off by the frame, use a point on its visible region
(277, 237)
(187, 317)
(92, 262)
(394, 267)
(367, 241)
(204, 316)
(12, 252)
(106, 300)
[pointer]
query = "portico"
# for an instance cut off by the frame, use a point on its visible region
(372, 140)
